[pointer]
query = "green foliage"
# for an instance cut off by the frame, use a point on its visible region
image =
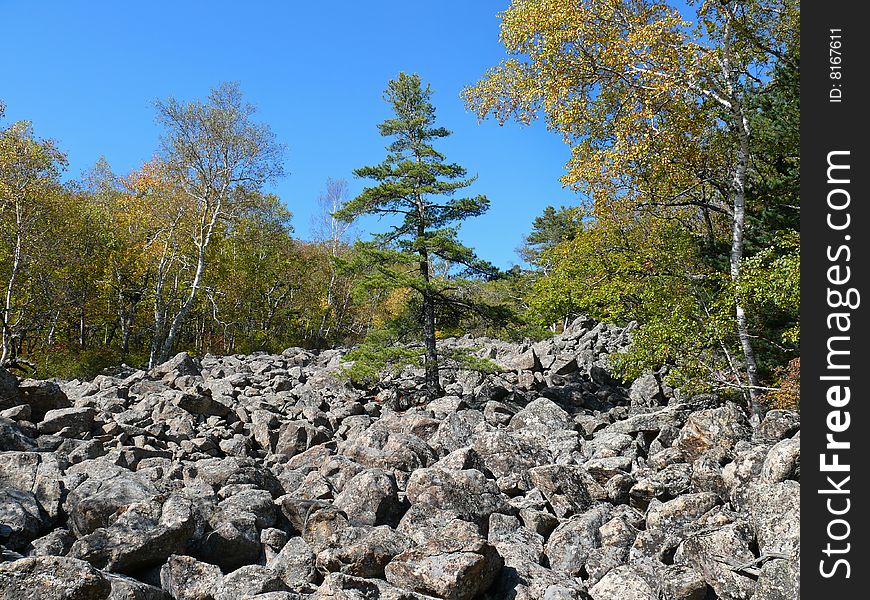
(74, 363)
(550, 229)
(384, 352)
(379, 353)
(771, 283)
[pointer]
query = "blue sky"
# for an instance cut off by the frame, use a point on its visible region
(86, 74)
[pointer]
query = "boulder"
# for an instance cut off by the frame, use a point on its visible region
(720, 556)
(43, 577)
(145, 535)
(453, 569)
(9, 395)
(68, 422)
(186, 578)
(468, 493)
(12, 437)
(622, 583)
(716, 429)
(569, 489)
(42, 396)
(371, 498)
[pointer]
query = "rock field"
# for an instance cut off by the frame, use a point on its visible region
(264, 477)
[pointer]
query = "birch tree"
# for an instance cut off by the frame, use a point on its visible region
(28, 178)
(217, 155)
(653, 105)
(334, 235)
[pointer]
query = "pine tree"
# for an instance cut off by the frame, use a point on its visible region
(416, 184)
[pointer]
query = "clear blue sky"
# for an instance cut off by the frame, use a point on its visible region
(86, 74)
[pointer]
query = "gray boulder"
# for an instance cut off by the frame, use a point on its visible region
(55, 577)
(453, 569)
(42, 396)
(145, 535)
(468, 493)
(371, 498)
(186, 578)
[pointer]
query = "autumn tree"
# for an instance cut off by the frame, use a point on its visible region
(415, 185)
(252, 288)
(218, 156)
(655, 107)
(29, 168)
(334, 235)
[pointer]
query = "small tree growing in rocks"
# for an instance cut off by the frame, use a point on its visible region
(415, 183)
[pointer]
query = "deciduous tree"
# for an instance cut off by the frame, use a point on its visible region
(655, 107)
(218, 156)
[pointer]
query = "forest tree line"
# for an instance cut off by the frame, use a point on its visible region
(685, 159)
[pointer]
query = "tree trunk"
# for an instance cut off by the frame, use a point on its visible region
(177, 321)
(430, 360)
(738, 199)
(8, 337)
(207, 225)
(430, 357)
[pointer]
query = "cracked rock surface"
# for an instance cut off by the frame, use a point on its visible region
(266, 477)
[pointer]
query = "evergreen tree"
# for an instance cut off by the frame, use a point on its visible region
(416, 183)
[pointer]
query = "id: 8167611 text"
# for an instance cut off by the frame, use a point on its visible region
(835, 65)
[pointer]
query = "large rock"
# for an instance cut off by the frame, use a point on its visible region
(371, 498)
(145, 535)
(233, 539)
(20, 518)
(716, 429)
(201, 404)
(719, 556)
(128, 588)
(42, 396)
(453, 569)
(668, 523)
(12, 437)
(517, 545)
(39, 473)
(9, 396)
(775, 510)
(362, 551)
(249, 581)
(296, 437)
(777, 425)
(109, 490)
(422, 523)
(401, 453)
(783, 461)
(569, 489)
(186, 578)
(572, 541)
(622, 583)
(338, 586)
(180, 364)
(506, 453)
(468, 492)
(52, 577)
(295, 564)
(778, 580)
(646, 393)
(69, 422)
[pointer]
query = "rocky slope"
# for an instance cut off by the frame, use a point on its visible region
(265, 477)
